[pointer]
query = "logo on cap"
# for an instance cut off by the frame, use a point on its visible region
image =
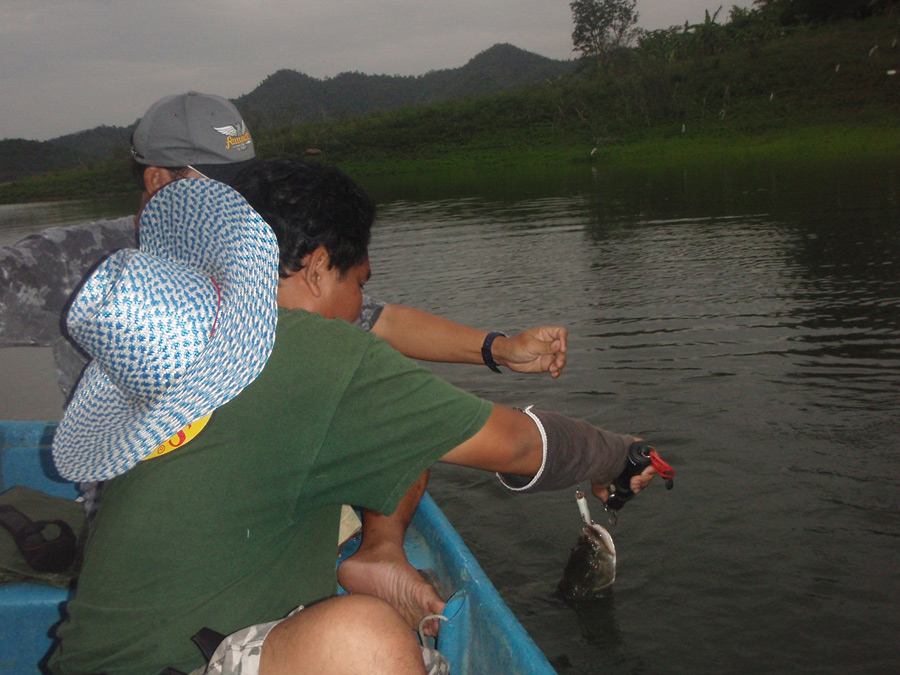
(235, 135)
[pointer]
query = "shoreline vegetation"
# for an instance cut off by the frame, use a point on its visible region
(804, 93)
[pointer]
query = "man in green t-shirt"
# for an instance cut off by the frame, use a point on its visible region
(194, 135)
(235, 528)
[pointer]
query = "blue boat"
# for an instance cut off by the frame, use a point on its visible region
(480, 636)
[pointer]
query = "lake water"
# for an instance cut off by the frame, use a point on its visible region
(746, 320)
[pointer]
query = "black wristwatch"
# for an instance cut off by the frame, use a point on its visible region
(486, 350)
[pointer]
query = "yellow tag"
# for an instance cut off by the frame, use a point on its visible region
(180, 439)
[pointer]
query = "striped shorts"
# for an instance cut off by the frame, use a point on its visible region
(238, 654)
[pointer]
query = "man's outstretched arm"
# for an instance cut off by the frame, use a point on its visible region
(531, 450)
(536, 450)
(421, 335)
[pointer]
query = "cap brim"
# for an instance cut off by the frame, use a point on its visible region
(224, 173)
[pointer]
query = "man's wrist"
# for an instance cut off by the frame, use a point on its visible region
(487, 349)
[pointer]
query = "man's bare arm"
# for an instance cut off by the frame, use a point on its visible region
(509, 442)
(425, 336)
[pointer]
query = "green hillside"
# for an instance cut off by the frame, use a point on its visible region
(290, 97)
(21, 157)
(711, 91)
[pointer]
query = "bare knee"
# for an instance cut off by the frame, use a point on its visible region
(347, 634)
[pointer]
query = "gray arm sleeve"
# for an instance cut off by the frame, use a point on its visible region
(574, 451)
(371, 310)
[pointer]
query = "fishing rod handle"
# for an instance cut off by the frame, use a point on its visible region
(637, 460)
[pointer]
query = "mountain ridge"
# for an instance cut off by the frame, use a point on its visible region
(290, 97)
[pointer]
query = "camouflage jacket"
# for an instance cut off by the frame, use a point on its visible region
(40, 273)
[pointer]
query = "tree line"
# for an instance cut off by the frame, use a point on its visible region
(603, 28)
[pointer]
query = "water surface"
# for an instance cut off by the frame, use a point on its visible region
(746, 319)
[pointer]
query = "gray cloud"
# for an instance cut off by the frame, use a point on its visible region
(69, 65)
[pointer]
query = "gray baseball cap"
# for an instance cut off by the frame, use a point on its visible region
(202, 131)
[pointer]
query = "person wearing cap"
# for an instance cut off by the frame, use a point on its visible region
(193, 133)
(40, 273)
(298, 412)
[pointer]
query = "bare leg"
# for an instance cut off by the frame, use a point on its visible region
(380, 567)
(344, 635)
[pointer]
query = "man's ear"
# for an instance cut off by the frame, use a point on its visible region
(156, 178)
(314, 266)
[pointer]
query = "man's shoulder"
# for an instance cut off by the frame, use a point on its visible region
(79, 246)
(327, 334)
(335, 343)
(39, 273)
(300, 318)
(108, 234)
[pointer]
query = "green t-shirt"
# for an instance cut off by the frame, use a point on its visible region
(239, 526)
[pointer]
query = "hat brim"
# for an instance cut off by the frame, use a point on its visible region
(205, 225)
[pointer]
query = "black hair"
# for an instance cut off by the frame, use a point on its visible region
(307, 205)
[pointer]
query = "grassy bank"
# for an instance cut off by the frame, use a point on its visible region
(825, 93)
(820, 142)
(815, 142)
(662, 145)
(103, 178)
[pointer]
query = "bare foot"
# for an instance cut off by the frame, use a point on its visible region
(380, 571)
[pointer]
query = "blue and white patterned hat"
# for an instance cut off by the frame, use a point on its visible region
(176, 328)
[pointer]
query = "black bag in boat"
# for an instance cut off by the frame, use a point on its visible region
(39, 537)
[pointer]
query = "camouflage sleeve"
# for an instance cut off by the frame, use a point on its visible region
(38, 275)
(371, 310)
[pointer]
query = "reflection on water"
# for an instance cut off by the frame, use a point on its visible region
(747, 321)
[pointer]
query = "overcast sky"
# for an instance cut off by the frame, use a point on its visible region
(70, 65)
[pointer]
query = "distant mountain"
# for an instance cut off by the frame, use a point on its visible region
(20, 158)
(501, 68)
(99, 142)
(290, 97)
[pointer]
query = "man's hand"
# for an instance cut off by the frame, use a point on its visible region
(538, 350)
(638, 483)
